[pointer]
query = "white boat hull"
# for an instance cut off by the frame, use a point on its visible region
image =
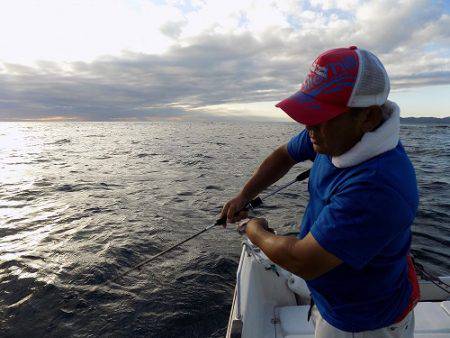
(265, 304)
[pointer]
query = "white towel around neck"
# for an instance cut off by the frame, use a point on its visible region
(374, 143)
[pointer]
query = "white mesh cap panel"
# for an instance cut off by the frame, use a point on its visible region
(372, 83)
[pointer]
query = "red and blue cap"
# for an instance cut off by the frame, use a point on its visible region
(338, 79)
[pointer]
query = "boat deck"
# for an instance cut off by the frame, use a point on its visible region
(432, 320)
(271, 302)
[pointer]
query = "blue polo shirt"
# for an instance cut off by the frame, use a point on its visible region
(362, 215)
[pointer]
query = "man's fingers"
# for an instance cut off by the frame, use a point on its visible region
(242, 214)
(232, 210)
(230, 214)
(224, 211)
(239, 216)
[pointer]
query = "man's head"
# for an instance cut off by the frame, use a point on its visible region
(339, 134)
(340, 99)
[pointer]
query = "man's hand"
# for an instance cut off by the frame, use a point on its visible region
(256, 224)
(252, 224)
(232, 209)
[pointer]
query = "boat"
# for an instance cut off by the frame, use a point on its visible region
(272, 302)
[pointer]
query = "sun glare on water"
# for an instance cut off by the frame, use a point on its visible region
(19, 149)
(14, 163)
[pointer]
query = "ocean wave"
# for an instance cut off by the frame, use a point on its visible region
(74, 187)
(146, 155)
(213, 187)
(60, 141)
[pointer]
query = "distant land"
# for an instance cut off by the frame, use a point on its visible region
(425, 120)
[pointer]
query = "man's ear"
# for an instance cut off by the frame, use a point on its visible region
(373, 118)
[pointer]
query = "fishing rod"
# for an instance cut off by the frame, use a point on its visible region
(254, 203)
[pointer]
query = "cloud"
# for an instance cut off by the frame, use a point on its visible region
(228, 53)
(383, 26)
(173, 28)
(143, 85)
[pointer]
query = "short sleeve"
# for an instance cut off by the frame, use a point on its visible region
(360, 221)
(300, 147)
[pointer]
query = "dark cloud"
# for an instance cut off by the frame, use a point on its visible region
(213, 70)
(422, 79)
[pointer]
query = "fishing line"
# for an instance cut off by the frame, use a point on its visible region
(420, 270)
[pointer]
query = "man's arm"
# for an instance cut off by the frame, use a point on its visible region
(303, 257)
(274, 167)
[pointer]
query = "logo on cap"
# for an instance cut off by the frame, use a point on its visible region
(319, 70)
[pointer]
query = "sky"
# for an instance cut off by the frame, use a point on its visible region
(192, 59)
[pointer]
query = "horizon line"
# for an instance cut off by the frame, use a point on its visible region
(180, 119)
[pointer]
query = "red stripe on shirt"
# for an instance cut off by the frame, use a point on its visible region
(415, 290)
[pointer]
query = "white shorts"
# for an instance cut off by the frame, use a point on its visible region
(402, 329)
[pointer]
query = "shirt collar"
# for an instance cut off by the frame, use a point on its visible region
(374, 143)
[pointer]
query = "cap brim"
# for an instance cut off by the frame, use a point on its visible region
(306, 110)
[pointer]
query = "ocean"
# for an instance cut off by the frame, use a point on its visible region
(80, 202)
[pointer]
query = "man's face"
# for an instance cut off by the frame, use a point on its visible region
(338, 135)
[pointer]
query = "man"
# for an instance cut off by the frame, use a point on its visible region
(355, 236)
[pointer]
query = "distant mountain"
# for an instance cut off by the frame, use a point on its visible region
(425, 120)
